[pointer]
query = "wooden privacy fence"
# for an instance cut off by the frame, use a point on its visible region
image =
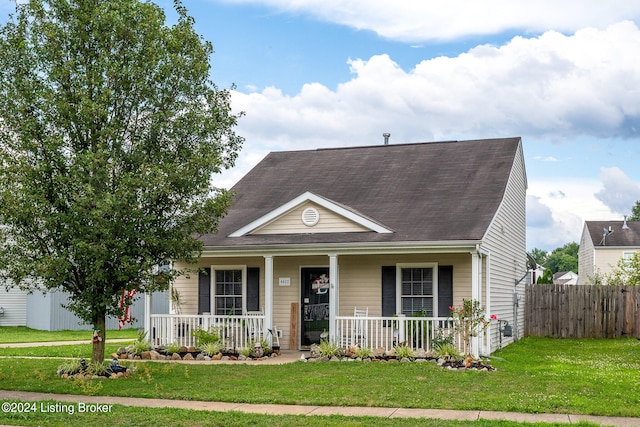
(570, 311)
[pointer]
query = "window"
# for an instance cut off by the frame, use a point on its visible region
(228, 291)
(417, 290)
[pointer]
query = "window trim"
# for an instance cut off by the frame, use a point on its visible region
(243, 269)
(400, 266)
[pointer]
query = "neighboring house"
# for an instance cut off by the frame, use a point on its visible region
(602, 244)
(396, 230)
(13, 307)
(46, 311)
(565, 278)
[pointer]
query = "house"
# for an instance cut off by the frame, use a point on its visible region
(46, 311)
(602, 244)
(399, 231)
(565, 278)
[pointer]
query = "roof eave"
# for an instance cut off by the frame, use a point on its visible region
(368, 248)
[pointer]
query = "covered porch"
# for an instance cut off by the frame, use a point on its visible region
(295, 299)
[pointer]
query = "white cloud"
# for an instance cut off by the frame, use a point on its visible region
(538, 214)
(571, 202)
(546, 159)
(619, 192)
(417, 21)
(552, 86)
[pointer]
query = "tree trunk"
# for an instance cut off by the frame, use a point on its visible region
(97, 354)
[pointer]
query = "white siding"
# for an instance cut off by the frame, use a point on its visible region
(586, 261)
(506, 242)
(14, 302)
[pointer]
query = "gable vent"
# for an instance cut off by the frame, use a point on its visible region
(310, 217)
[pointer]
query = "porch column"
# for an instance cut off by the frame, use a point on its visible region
(268, 297)
(333, 296)
(475, 295)
(147, 316)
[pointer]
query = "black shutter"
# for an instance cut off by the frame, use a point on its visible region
(253, 289)
(388, 291)
(445, 290)
(204, 291)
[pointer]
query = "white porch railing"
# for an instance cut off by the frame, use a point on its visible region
(388, 332)
(372, 332)
(236, 331)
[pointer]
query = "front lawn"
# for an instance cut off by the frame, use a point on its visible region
(126, 416)
(599, 377)
(20, 334)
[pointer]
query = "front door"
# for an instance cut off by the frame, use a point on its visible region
(315, 305)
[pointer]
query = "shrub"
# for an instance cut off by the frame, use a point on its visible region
(97, 369)
(328, 349)
(404, 351)
(448, 352)
(174, 347)
(140, 345)
(363, 353)
(204, 336)
(69, 367)
(211, 348)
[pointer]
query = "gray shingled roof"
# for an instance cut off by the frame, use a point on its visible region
(436, 191)
(619, 237)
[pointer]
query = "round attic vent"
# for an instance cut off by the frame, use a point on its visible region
(310, 217)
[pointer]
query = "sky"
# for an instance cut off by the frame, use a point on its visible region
(563, 75)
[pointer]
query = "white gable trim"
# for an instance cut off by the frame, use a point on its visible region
(310, 197)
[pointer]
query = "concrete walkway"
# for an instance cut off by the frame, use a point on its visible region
(309, 410)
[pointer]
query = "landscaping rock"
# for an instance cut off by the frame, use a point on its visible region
(145, 355)
(183, 349)
(191, 349)
(200, 356)
(188, 356)
(176, 356)
(421, 354)
(155, 355)
(314, 351)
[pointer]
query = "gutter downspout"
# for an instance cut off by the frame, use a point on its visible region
(487, 255)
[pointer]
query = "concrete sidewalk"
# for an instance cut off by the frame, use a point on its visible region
(443, 414)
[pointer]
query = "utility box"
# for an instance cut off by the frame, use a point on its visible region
(507, 331)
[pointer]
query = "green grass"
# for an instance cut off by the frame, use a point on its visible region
(68, 350)
(20, 334)
(142, 417)
(597, 377)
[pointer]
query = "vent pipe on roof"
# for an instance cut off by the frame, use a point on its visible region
(386, 136)
(624, 225)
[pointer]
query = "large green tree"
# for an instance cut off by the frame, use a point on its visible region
(564, 258)
(635, 212)
(110, 132)
(540, 255)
